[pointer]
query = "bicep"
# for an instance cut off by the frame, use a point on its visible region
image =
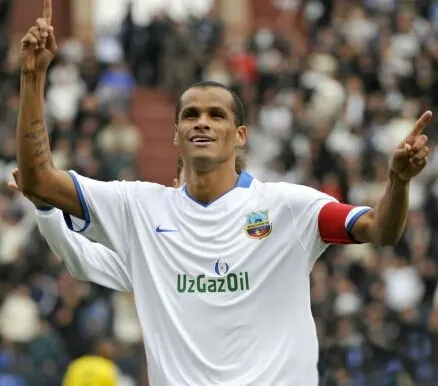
(95, 263)
(361, 230)
(106, 216)
(321, 220)
(103, 266)
(343, 224)
(58, 189)
(84, 259)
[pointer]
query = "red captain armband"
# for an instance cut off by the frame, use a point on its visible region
(336, 221)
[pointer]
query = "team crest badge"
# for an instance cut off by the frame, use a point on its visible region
(258, 225)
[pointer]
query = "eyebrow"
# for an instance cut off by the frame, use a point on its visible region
(218, 108)
(189, 109)
(210, 108)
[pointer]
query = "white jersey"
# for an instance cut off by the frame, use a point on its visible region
(84, 259)
(222, 290)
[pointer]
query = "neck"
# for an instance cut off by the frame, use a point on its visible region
(208, 186)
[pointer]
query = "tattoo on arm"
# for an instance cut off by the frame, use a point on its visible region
(41, 148)
(36, 122)
(38, 136)
(34, 134)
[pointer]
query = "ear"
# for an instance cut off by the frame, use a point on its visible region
(241, 136)
(175, 137)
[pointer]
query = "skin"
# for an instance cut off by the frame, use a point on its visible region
(209, 168)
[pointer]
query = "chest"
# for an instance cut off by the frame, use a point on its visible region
(189, 243)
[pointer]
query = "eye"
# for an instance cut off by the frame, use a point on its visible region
(189, 114)
(217, 114)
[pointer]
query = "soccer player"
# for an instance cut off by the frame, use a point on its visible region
(219, 268)
(87, 260)
(84, 259)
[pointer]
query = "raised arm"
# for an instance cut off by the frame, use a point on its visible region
(385, 224)
(38, 176)
(84, 259)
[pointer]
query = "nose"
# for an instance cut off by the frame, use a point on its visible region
(202, 123)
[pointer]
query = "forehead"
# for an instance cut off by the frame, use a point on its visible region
(204, 97)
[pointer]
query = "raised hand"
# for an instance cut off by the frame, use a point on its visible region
(410, 157)
(38, 47)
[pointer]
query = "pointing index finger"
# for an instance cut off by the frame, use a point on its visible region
(47, 11)
(421, 124)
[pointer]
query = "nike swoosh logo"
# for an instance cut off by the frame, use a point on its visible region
(163, 230)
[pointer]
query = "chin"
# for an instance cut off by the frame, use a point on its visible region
(203, 163)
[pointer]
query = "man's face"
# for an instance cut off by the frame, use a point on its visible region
(206, 132)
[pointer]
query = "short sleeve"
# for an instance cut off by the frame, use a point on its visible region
(107, 218)
(84, 259)
(305, 205)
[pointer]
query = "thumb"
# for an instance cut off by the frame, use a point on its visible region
(403, 152)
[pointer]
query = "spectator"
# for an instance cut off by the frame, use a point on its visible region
(65, 91)
(119, 142)
(19, 317)
(181, 57)
(115, 87)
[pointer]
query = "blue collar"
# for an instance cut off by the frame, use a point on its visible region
(244, 182)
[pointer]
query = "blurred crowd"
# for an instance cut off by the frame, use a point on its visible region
(328, 117)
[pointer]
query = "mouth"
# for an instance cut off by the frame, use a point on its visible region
(201, 140)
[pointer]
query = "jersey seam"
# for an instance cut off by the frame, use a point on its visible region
(129, 252)
(295, 225)
(78, 276)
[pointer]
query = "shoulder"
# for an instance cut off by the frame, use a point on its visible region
(291, 193)
(121, 187)
(149, 194)
(144, 187)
